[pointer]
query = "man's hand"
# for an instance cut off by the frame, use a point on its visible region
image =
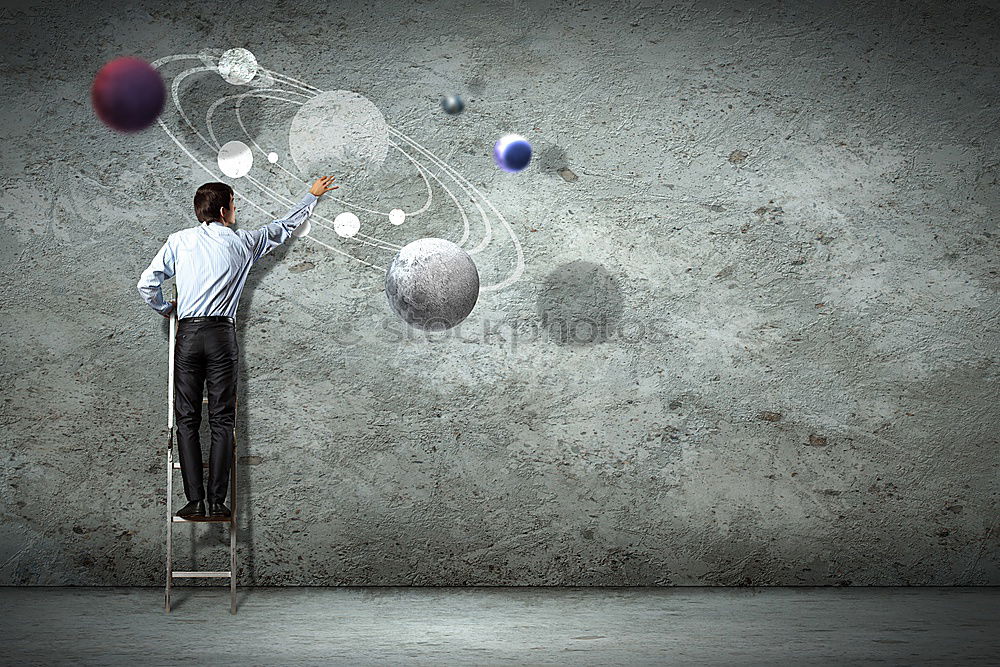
(173, 307)
(322, 186)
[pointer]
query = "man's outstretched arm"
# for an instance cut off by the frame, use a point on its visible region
(273, 234)
(161, 268)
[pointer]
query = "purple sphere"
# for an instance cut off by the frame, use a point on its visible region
(128, 94)
(512, 152)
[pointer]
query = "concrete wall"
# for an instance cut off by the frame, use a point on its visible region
(755, 342)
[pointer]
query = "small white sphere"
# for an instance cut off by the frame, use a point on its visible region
(272, 157)
(397, 216)
(238, 66)
(302, 230)
(346, 224)
(235, 159)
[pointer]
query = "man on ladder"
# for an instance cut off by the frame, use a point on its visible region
(211, 262)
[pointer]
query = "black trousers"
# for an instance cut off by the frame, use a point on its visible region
(205, 353)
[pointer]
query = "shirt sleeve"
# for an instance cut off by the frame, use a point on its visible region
(262, 241)
(161, 268)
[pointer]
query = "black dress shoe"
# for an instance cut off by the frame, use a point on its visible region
(193, 510)
(218, 510)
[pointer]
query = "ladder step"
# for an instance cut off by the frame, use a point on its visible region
(180, 519)
(227, 573)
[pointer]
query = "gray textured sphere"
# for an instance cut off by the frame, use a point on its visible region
(432, 284)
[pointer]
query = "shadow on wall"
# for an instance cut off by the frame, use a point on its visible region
(245, 446)
(580, 304)
(549, 158)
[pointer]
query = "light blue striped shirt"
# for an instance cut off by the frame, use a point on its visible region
(211, 263)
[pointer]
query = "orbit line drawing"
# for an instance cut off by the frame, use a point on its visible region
(272, 85)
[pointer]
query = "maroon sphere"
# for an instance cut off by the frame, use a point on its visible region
(128, 94)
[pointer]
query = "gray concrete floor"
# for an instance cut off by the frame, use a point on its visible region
(611, 626)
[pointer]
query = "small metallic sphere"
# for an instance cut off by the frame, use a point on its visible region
(452, 104)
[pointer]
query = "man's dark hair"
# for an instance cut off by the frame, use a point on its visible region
(209, 199)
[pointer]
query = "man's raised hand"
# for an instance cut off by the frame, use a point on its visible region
(322, 186)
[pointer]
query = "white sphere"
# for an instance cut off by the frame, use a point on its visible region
(346, 224)
(235, 159)
(397, 216)
(238, 66)
(272, 157)
(302, 230)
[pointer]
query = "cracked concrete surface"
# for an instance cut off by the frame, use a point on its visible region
(755, 342)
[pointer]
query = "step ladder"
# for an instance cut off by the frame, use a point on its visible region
(173, 465)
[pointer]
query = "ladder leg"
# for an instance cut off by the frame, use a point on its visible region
(232, 528)
(170, 527)
(170, 454)
(232, 566)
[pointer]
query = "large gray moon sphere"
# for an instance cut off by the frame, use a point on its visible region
(432, 284)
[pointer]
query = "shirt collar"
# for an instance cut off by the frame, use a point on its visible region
(214, 225)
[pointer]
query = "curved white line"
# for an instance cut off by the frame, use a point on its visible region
(281, 198)
(289, 202)
(211, 112)
(464, 183)
(305, 86)
(301, 84)
(175, 86)
(488, 235)
(461, 209)
(250, 201)
(239, 119)
(169, 59)
(519, 269)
